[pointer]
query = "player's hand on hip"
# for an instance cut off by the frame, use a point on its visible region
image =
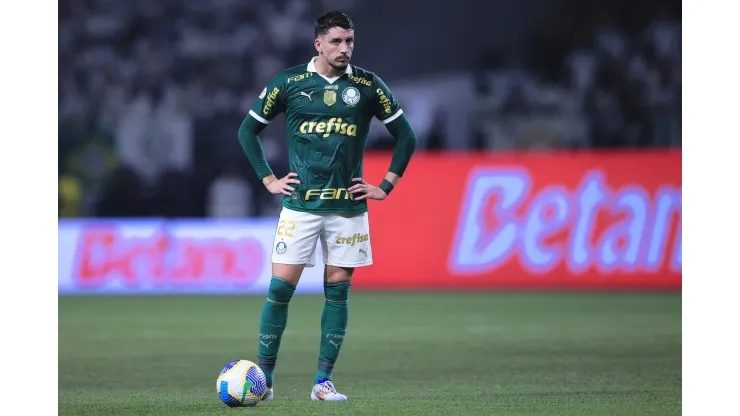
(282, 185)
(368, 191)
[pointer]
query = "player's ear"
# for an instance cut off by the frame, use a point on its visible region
(317, 45)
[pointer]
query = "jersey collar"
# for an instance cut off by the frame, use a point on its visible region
(312, 67)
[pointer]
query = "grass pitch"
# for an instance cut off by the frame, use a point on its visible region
(405, 354)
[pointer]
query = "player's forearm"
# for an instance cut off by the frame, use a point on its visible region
(252, 147)
(406, 140)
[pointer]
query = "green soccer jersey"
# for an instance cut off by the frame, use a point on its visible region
(327, 121)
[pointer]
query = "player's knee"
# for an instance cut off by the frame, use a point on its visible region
(337, 292)
(291, 273)
(337, 282)
(281, 291)
(334, 274)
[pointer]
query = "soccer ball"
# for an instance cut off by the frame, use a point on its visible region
(241, 383)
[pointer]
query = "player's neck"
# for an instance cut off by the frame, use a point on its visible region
(327, 70)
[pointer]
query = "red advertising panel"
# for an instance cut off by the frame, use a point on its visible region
(155, 256)
(582, 220)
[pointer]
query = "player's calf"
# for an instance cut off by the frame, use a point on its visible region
(272, 324)
(333, 327)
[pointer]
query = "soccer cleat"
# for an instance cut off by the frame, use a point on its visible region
(268, 395)
(325, 390)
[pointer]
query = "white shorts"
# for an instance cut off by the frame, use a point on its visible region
(345, 239)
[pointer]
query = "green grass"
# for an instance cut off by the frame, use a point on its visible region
(405, 354)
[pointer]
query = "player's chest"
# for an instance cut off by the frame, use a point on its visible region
(339, 98)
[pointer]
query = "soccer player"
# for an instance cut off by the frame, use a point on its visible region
(328, 106)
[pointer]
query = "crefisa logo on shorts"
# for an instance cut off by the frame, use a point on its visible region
(355, 239)
(281, 247)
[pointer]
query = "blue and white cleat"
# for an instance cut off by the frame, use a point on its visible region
(325, 390)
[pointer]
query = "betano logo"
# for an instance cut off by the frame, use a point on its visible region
(329, 193)
(333, 126)
(355, 239)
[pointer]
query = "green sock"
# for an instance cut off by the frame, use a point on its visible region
(272, 324)
(333, 327)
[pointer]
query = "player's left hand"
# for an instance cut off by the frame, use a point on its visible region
(368, 191)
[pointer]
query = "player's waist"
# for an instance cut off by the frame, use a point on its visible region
(324, 193)
(324, 200)
(325, 207)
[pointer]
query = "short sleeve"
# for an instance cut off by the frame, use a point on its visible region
(270, 101)
(385, 107)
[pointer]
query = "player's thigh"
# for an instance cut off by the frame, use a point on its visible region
(346, 241)
(294, 245)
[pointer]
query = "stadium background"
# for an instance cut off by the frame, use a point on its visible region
(549, 160)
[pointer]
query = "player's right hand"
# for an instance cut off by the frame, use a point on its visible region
(282, 185)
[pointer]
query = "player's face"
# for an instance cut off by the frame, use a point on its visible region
(335, 47)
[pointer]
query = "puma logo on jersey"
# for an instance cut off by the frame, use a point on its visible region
(336, 345)
(307, 95)
(266, 345)
(363, 252)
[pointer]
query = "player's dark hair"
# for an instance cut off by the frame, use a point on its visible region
(332, 19)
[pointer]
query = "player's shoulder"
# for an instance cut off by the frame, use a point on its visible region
(364, 77)
(296, 70)
(292, 72)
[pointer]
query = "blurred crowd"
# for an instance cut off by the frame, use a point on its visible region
(151, 95)
(620, 89)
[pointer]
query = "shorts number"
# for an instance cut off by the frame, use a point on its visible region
(284, 228)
